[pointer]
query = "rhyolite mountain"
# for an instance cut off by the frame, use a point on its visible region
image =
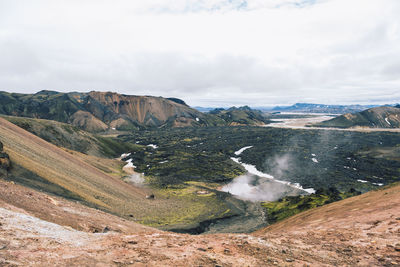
(321, 108)
(379, 117)
(100, 111)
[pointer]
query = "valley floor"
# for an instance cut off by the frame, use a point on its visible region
(41, 230)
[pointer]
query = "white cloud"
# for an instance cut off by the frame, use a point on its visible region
(207, 52)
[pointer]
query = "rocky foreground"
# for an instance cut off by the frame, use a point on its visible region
(41, 230)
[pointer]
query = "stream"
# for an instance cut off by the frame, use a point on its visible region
(257, 186)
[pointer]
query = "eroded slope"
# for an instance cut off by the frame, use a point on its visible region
(360, 231)
(44, 166)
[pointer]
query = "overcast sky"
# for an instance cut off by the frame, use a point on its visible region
(207, 52)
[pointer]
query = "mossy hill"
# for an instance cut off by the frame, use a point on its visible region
(71, 137)
(241, 116)
(379, 117)
(291, 205)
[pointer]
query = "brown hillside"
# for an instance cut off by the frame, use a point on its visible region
(87, 121)
(88, 179)
(144, 110)
(99, 111)
(360, 231)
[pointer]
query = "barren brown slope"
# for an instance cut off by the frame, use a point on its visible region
(70, 171)
(362, 231)
(144, 110)
(97, 184)
(64, 169)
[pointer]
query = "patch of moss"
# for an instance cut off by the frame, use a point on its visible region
(289, 206)
(113, 147)
(196, 209)
(27, 178)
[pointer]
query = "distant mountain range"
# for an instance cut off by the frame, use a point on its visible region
(378, 117)
(102, 111)
(307, 108)
(321, 108)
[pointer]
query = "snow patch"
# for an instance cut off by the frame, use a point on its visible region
(125, 155)
(362, 181)
(153, 146)
(258, 189)
(197, 119)
(386, 119)
(129, 165)
(315, 160)
(240, 151)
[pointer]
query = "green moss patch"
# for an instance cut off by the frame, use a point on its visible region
(289, 206)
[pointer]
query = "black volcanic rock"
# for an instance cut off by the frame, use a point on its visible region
(177, 100)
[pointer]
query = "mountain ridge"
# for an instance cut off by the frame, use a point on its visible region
(103, 111)
(99, 111)
(321, 108)
(378, 117)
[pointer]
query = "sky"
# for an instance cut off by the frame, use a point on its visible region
(207, 52)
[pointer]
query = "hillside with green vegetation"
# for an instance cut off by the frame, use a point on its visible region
(100, 111)
(97, 182)
(185, 168)
(292, 205)
(379, 117)
(71, 137)
(241, 116)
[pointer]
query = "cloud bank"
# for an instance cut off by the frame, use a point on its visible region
(210, 53)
